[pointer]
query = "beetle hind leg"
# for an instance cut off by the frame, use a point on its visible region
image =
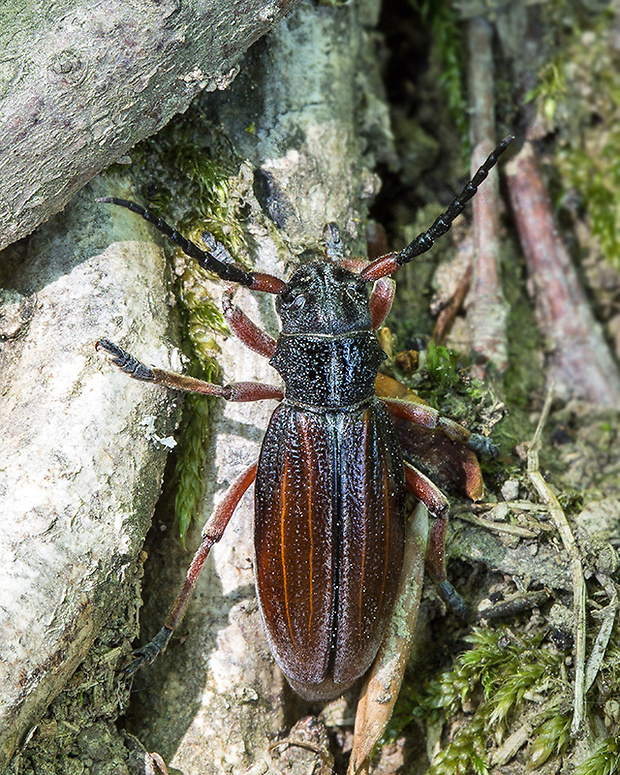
(211, 534)
(438, 505)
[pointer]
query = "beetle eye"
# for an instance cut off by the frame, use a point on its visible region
(357, 291)
(293, 299)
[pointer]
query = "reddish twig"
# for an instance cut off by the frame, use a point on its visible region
(579, 361)
(444, 321)
(487, 311)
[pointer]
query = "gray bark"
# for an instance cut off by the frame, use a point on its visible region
(81, 83)
(81, 475)
(78, 478)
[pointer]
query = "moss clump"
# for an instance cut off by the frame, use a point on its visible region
(485, 690)
(190, 176)
(447, 56)
(604, 761)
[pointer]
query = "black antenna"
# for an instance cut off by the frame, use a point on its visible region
(206, 260)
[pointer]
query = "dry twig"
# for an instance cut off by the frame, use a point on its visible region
(580, 362)
(487, 313)
(579, 586)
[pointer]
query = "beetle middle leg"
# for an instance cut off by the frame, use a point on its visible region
(438, 505)
(428, 417)
(211, 534)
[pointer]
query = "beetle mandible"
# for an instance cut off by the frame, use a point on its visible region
(330, 482)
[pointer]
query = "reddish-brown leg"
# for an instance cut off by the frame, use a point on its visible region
(211, 534)
(382, 295)
(381, 299)
(425, 415)
(236, 391)
(438, 505)
(246, 330)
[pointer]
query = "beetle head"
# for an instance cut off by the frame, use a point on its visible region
(324, 298)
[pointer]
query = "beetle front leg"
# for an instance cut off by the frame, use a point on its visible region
(211, 534)
(382, 295)
(245, 329)
(438, 505)
(381, 300)
(236, 391)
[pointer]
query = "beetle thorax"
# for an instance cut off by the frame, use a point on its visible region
(327, 353)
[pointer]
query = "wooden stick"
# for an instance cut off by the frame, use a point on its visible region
(578, 725)
(579, 361)
(487, 312)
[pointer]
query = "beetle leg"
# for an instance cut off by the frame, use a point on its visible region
(211, 534)
(245, 329)
(438, 505)
(425, 415)
(236, 391)
(382, 296)
(381, 299)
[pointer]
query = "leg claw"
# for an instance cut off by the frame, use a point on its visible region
(150, 651)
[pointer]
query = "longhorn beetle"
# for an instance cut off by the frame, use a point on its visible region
(330, 482)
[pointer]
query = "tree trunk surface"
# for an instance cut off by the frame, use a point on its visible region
(291, 144)
(82, 83)
(89, 470)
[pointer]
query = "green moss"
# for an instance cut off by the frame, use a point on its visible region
(486, 689)
(549, 739)
(524, 376)
(447, 56)
(442, 365)
(604, 761)
(189, 174)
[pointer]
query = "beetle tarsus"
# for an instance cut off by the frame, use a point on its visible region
(126, 362)
(150, 651)
(482, 445)
(453, 599)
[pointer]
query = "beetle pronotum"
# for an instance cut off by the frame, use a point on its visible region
(330, 482)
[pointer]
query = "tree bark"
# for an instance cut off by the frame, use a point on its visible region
(81, 83)
(87, 471)
(78, 477)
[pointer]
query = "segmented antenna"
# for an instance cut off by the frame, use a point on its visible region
(425, 241)
(206, 260)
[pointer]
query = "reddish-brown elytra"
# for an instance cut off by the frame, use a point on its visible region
(333, 472)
